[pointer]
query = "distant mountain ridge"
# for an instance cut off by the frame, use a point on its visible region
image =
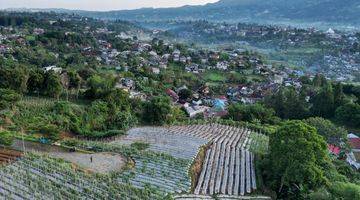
(330, 11)
(345, 12)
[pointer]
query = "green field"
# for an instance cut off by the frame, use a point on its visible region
(213, 76)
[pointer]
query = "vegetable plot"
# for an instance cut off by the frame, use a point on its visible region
(173, 141)
(164, 175)
(38, 177)
(228, 167)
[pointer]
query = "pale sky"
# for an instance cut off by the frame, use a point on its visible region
(99, 4)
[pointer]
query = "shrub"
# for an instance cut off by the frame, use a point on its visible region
(50, 131)
(345, 191)
(321, 194)
(8, 98)
(140, 145)
(6, 138)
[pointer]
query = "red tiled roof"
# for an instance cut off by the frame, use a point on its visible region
(334, 149)
(354, 143)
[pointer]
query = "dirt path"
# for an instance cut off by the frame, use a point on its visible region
(97, 162)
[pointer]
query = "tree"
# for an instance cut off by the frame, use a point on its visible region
(297, 156)
(305, 80)
(99, 86)
(339, 96)
(250, 113)
(323, 102)
(74, 80)
(289, 104)
(295, 104)
(15, 78)
(185, 94)
(277, 102)
(35, 83)
(157, 110)
(349, 114)
(53, 87)
(119, 99)
(6, 138)
(331, 133)
(123, 120)
(8, 98)
(319, 80)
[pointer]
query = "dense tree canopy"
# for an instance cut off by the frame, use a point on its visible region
(289, 104)
(157, 111)
(53, 87)
(99, 86)
(349, 114)
(251, 113)
(14, 78)
(323, 102)
(297, 157)
(331, 133)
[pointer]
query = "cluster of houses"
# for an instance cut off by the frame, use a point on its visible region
(351, 149)
(200, 104)
(353, 157)
(195, 61)
(339, 62)
(4, 49)
(343, 67)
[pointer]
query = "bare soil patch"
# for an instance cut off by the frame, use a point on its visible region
(96, 162)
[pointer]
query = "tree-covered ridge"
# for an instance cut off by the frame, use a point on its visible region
(273, 11)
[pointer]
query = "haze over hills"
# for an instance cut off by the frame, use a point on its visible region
(339, 12)
(325, 13)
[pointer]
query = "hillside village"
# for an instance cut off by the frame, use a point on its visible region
(155, 56)
(333, 54)
(109, 110)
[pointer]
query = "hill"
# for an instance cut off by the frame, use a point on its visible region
(346, 12)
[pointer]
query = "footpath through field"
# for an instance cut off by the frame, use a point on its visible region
(97, 162)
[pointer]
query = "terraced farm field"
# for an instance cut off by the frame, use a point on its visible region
(39, 177)
(228, 167)
(164, 175)
(173, 140)
(155, 173)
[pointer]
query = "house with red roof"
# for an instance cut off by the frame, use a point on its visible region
(172, 94)
(334, 149)
(353, 158)
(354, 143)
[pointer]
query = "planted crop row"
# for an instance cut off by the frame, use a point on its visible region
(38, 177)
(228, 167)
(152, 170)
(165, 140)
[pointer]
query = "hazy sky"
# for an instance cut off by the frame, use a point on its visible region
(98, 4)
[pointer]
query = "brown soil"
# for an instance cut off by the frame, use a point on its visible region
(67, 135)
(97, 162)
(197, 166)
(7, 156)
